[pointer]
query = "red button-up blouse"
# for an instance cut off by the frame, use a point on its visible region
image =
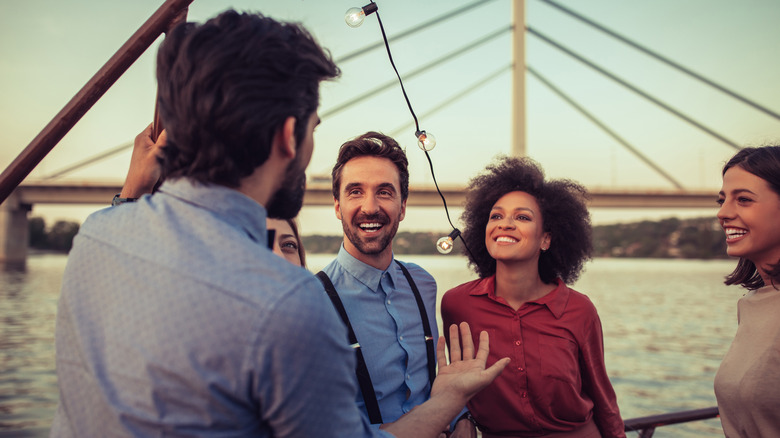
(556, 381)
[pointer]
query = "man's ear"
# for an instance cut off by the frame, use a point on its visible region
(285, 138)
(403, 211)
(337, 206)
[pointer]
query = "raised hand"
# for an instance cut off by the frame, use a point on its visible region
(465, 374)
(144, 169)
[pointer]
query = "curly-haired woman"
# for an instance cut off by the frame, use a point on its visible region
(528, 237)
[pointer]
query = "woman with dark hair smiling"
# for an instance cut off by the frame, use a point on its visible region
(746, 384)
(528, 238)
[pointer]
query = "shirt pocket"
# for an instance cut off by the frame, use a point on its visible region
(559, 359)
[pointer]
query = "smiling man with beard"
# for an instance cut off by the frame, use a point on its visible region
(175, 318)
(389, 306)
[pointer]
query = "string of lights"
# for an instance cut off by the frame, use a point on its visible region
(425, 140)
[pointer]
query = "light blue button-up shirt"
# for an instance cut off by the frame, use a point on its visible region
(386, 320)
(175, 319)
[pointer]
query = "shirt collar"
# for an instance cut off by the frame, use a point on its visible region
(555, 301)
(228, 204)
(366, 274)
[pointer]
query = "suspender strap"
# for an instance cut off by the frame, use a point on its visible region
(361, 371)
(426, 325)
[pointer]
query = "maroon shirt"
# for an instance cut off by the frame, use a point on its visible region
(556, 381)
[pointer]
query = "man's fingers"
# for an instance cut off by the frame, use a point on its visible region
(484, 346)
(161, 139)
(455, 354)
(441, 357)
(497, 368)
(467, 341)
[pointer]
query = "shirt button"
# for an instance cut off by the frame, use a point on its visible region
(388, 301)
(524, 395)
(518, 342)
(401, 338)
(408, 377)
(520, 369)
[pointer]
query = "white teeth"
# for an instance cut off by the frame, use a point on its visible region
(505, 239)
(735, 232)
(371, 226)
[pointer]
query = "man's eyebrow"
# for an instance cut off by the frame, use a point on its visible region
(387, 185)
(352, 185)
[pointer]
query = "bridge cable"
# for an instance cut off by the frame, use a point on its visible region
(664, 59)
(103, 155)
(412, 30)
(435, 63)
(458, 95)
(636, 90)
(605, 128)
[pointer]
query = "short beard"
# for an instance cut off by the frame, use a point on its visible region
(369, 248)
(286, 203)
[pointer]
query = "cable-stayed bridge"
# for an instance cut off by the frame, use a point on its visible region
(679, 195)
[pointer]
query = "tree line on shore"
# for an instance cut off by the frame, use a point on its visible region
(700, 238)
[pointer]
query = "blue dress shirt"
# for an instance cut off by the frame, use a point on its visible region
(384, 314)
(176, 320)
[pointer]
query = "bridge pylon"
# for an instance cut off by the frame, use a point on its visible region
(14, 231)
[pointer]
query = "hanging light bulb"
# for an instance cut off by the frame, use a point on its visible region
(446, 243)
(355, 16)
(425, 140)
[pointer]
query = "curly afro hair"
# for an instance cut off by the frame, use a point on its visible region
(564, 215)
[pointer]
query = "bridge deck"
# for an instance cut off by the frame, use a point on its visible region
(319, 194)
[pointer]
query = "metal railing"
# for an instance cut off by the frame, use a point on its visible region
(645, 426)
(166, 15)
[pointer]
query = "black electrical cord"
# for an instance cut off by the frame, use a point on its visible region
(417, 129)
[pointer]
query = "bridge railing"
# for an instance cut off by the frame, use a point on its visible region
(645, 426)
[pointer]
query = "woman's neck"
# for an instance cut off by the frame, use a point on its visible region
(520, 283)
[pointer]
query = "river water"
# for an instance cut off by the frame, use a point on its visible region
(667, 324)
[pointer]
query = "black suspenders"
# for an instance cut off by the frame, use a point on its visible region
(431, 349)
(361, 371)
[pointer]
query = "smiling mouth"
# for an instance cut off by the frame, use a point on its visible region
(505, 239)
(734, 233)
(371, 227)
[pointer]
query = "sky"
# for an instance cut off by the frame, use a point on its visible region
(50, 48)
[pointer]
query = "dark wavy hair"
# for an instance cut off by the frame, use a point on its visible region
(564, 215)
(226, 86)
(763, 162)
(372, 144)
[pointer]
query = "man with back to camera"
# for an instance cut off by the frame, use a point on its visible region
(174, 317)
(390, 305)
